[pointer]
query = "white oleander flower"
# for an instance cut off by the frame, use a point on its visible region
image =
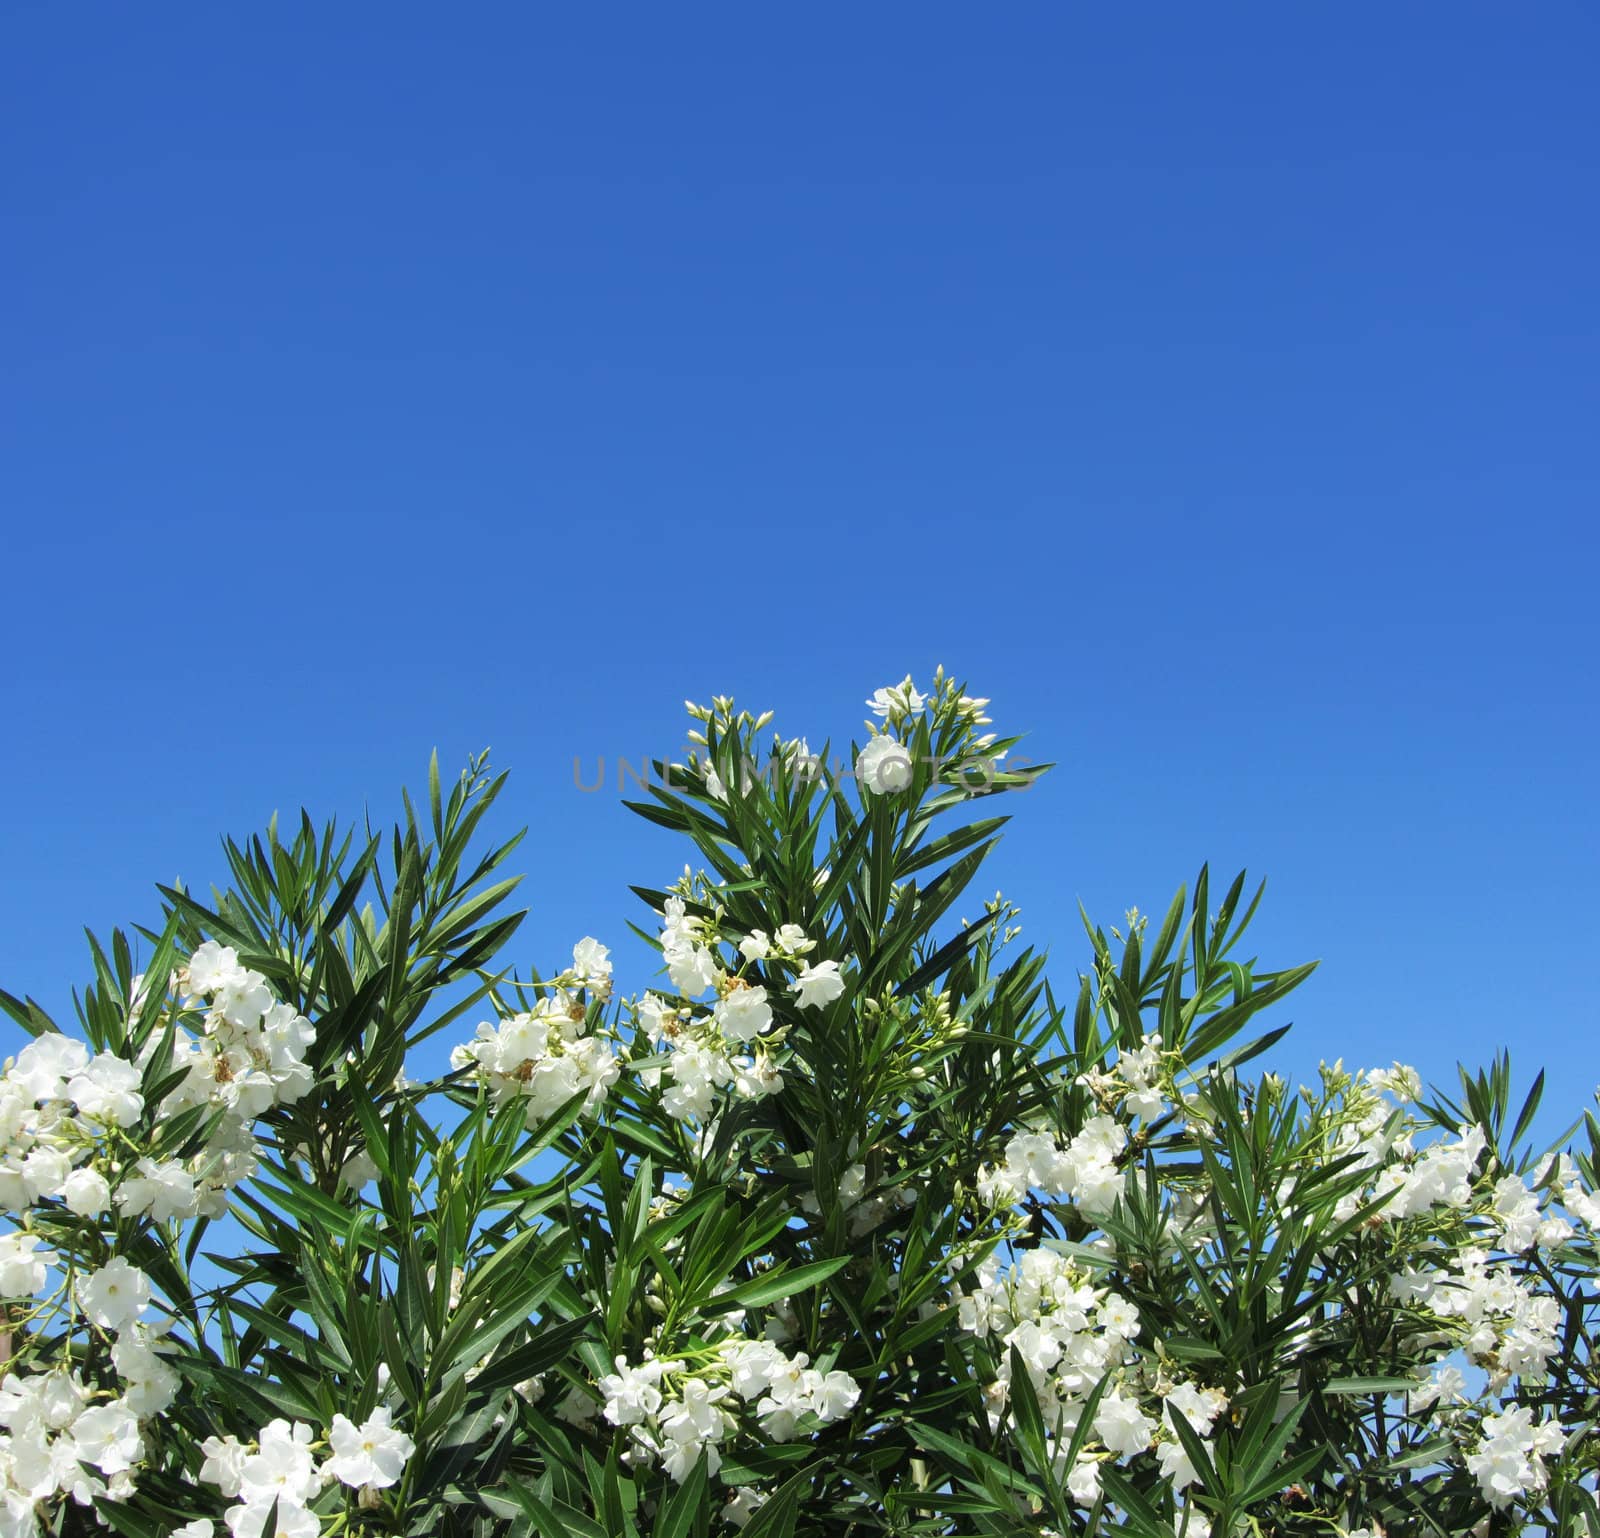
(754, 1364)
(696, 1416)
(281, 1469)
(1083, 1480)
(39, 1403)
(42, 1068)
(1176, 1467)
(212, 966)
(1404, 1083)
(590, 960)
(678, 925)
(1447, 1385)
(679, 1458)
(818, 985)
(835, 1396)
(657, 1016)
(45, 1172)
(24, 1262)
(290, 1519)
(358, 1169)
(884, 766)
(114, 1296)
(1517, 1209)
(756, 1078)
(791, 940)
(696, 1071)
(1122, 1425)
(86, 1193)
(108, 1090)
(1509, 1461)
(897, 699)
(224, 1463)
(1441, 1177)
(250, 1058)
(107, 1436)
(1085, 1171)
(164, 1189)
(373, 1453)
(149, 1385)
(744, 1014)
(577, 1408)
(633, 1394)
(692, 968)
(743, 1502)
(1199, 1406)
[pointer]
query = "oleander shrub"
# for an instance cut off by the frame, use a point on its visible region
(858, 1217)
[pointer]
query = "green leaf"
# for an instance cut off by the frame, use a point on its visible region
(688, 1503)
(1369, 1385)
(776, 1285)
(776, 1518)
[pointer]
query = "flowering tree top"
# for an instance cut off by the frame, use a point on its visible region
(849, 1220)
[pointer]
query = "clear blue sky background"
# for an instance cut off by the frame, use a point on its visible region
(1215, 387)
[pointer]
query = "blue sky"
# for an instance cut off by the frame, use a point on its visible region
(1214, 388)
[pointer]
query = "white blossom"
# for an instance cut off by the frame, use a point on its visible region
(896, 700)
(115, 1295)
(373, 1453)
(884, 766)
(108, 1090)
(818, 985)
(24, 1262)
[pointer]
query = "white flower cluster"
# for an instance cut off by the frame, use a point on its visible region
(1084, 1170)
(1448, 1181)
(1494, 1312)
(1508, 1461)
(1442, 1177)
(1401, 1081)
(706, 1055)
(54, 1423)
(545, 1056)
(677, 1409)
(248, 1058)
(251, 1056)
(57, 1103)
(1134, 1084)
(1581, 1204)
(1070, 1335)
(816, 983)
(885, 765)
(281, 1469)
(691, 964)
(67, 1136)
(60, 1437)
(1366, 1131)
(1502, 1323)
(730, 1048)
(1471, 1235)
